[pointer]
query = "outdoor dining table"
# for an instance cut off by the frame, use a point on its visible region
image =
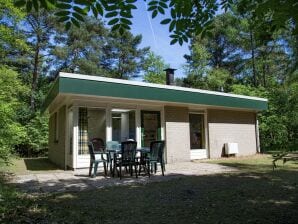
(112, 153)
(118, 151)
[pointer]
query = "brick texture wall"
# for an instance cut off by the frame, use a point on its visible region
(231, 126)
(177, 134)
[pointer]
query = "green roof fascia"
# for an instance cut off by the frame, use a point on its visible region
(54, 91)
(100, 88)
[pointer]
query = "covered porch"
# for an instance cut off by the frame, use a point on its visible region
(88, 117)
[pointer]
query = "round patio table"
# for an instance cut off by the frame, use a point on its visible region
(141, 153)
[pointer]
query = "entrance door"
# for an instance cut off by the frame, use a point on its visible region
(197, 136)
(150, 126)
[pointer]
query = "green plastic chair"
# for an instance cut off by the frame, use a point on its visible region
(127, 158)
(95, 161)
(156, 156)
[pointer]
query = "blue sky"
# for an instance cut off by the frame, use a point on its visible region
(157, 38)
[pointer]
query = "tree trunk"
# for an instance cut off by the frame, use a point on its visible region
(253, 58)
(119, 68)
(35, 74)
(265, 69)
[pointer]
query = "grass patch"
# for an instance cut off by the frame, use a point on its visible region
(255, 164)
(29, 165)
(254, 195)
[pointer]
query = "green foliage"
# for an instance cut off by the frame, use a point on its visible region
(249, 90)
(10, 10)
(11, 40)
(274, 132)
(276, 12)
(20, 46)
(154, 66)
(197, 60)
(217, 79)
(94, 49)
(37, 134)
(244, 53)
(119, 13)
(194, 81)
(219, 50)
(241, 57)
(212, 79)
(122, 57)
(38, 47)
(11, 132)
(184, 18)
(279, 124)
(79, 49)
(292, 115)
(196, 67)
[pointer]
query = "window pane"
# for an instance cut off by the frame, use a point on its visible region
(150, 121)
(123, 125)
(83, 131)
(197, 131)
(96, 123)
(92, 124)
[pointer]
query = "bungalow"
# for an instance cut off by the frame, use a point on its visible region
(196, 124)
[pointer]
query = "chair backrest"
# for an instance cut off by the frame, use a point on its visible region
(128, 150)
(156, 150)
(112, 145)
(98, 144)
(91, 151)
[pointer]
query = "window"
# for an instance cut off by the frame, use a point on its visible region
(150, 123)
(197, 131)
(92, 124)
(56, 127)
(123, 125)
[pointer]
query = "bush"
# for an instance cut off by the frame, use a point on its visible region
(11, 132)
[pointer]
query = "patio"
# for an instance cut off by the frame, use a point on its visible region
(252, 194)
(63, 181)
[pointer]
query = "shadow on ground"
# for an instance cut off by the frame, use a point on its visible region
(258, 197)
(39, 164)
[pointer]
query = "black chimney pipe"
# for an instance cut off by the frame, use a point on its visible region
(170, 76)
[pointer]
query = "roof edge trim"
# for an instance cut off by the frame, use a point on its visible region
(138, 83)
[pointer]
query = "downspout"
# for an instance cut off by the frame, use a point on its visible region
(257, 135)
(207, 136)
(66, 139)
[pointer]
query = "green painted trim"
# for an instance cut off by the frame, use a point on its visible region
(98, 88)
(159, 133)
(120, 90)
(54, 91)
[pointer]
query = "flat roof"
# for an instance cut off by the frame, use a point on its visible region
(69, 83)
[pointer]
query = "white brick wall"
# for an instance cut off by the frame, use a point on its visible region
(57, 149)
(177, 134)
(231, 126)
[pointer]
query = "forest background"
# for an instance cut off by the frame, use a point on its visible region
(236, 55)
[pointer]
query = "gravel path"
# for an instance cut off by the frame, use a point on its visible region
(46, 182)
